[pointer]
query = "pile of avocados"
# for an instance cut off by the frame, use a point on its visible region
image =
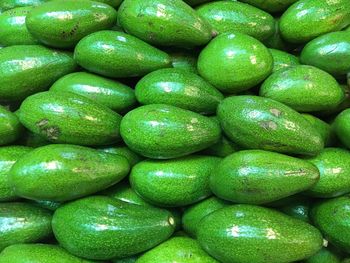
(174, 131)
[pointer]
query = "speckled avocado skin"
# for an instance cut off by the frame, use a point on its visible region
(10, 4)
(184, 181)
(163, 22)
(261, 123)
(23, 223)
(222, 148)
(247, 233)
(257, 177)
(283, 59)
(27, 69)
(276, 41)
(341, 126)
(271, 6)
(307, 19)
(334, 167)
(179, 250)
(113, 94)
(62, 23)
(298, 208)
(116, 54)
(43, 253)
(235, 62)
(167, 131)
(330, 52)
(103, 228)
(13, 27)
(323, 256)
(132, 157)
(194, 214)
(178, 88)
(61, 172)
(10, 127)
(322, 127)
(331, 217)
(184, 59)
(65, 117)
(296, 87)
(8, 156)
(232, 16)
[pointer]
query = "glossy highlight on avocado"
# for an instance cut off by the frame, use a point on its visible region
(10, 4)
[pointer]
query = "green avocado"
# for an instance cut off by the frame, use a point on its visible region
(99, 227)
(179, 88)
(61, 172)
(38, 253)
(32, 140)
(271, 6)
(235, 62)
(184, 59)
(296, 86)
(13, 27)
(62, 23)
(10, 4)
(117, 54)
(113, 3)
(110, 93)
(322, 127)
(324, 256)
(258, 177)
(222, 148)
(232, 16)
(176, 182)
(334, 167)
(298, 208)
(28, 69)
(132, 157)
(282, 59)
(10, 127)
(342, 106)
(163, 131)
(260, 123)
(23, 223)
(276, 41)
(331, 217)
(8, 156)
(164, 22)
(330, 52)
(193, 214)
(131, 259)
(65, 117)
(179, 250)
(247, 233)
(308, 19)
(50, 205)
(341, 126)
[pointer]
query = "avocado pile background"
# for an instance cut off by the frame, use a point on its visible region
(170, 131)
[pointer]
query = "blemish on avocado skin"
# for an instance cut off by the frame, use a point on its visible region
(51, 132)
(268, 125)
(276, 112)
(42, 122)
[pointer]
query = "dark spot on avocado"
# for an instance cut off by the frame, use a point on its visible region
(268, 125)
(276, 112)
(42, 122)
(307, 77)
(150, 23)
(52, 132)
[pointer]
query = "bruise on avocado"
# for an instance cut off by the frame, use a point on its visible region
(51, 132)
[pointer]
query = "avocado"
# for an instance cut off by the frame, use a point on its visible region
(61, 172)
(10, 127)
(222, 148)
(132, 157)
(99, 227)
(248, 233)
(323, 128)
(131, 259)
(184, 59)
(324, 256)
(341, 126)
(298, 208)
(271, 6)
(50, 205)
(282, 59)
(10, 4)
(276, 41)
(342, 106)
(31, 139)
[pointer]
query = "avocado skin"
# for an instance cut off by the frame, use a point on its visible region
(65, 117)
(178, 88)
(23, 223)
(324, 256)
(132, 157)
(10, 127)
(341, 126)
(28, 69)
(184, 59)
(298, 208)
(260, 123)
(10, 4)
(8, 156)
(61, 172)
(113, 94)
(177, 249)
(271, 6)
(282, 59)
(247, 233)
(308, 19)
(164, 23)
(102, 228)
(323, 128)
(167, 132)
(43, 253)
(257, 177)
(222, 148)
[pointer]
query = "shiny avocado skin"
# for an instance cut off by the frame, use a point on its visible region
(283, 59)
(165, 23)
(10, 4)
(8, 156)
(232, 16)
(133, 158)
(257, 177)
(296, 87)
(117, 54)
(260, 123)
(341, 126)
(28, 69)
(61, 172)
(271, 6)
(308, 19)
(324, 256)
(65, 117)
(330, 52)
(23, 223)
(322, 127)
(179, 88)
(177, 249)
(77, 227)
(299, 208)
(184, 181)
(247, 233)
(10, 127)
(14, 30)
(113, 94)
(167, 132)
(43, 253)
